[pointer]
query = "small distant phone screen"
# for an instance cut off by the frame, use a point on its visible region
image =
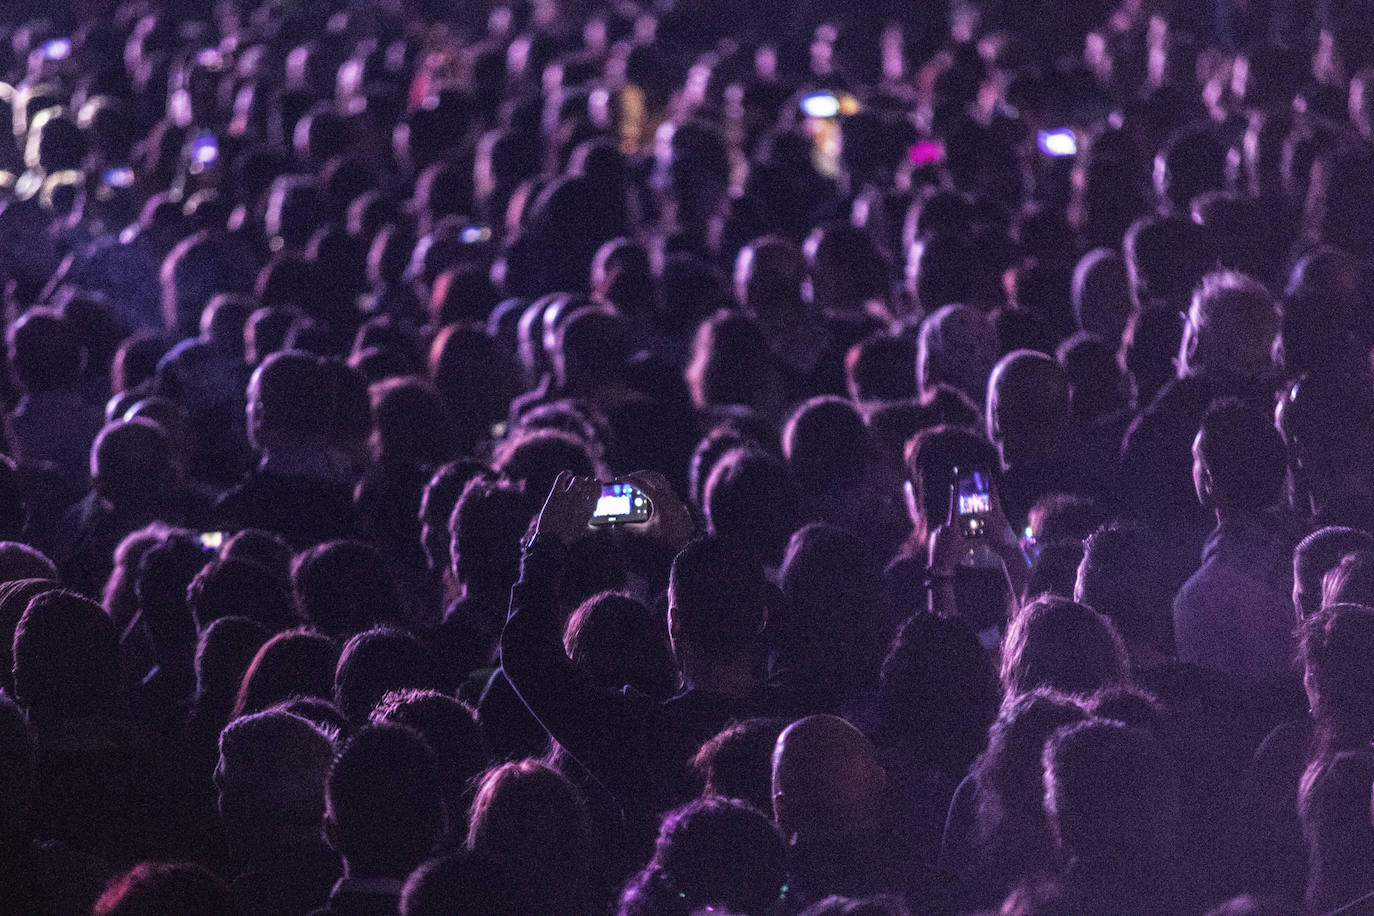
(820, 105)
(928, 152)
(620, 503)
(57, 49)
(974, 492)
(1057, 144)
(117, 178)
(204, 151)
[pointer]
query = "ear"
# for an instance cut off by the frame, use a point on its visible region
(780, 814)
(1190, 339)
(1205, 488)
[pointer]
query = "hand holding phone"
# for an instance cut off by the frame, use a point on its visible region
(671, 524)
(568, 508)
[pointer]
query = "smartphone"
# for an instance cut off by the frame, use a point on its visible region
(829, 105)
(475, 234)
(56, 49)
(117, 178)
(973, 492)
(621, 504)
(820, 105)
(1058, 143)
(211, 541)
(204, 151)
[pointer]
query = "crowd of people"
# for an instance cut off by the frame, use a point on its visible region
(997, 379)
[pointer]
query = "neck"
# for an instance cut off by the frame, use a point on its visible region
(725, 676)
(298, 460)
(1036, 452)
(1230, 514)
(280, 841)
(362, 873)
(1145, 656)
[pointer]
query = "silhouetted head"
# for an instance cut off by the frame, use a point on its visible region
(937, 694)
(1027, 406)
(1111, 799)
(66, 658)
(1239, 460)
(450, 728)
(1054, 642)
(1315, 556)
(376, 662)
(711, 852)
(271, 775)
(750, 494)
(827, 781)
(1124, 577)
(531, 820)
(344, 587)
(1232, 326)
(717, 599)
(384, 806)
(297, 663)
(957, 347)
(738, 762)
(150, 889)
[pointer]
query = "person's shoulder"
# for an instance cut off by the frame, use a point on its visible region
(1180, 397)
(1192, 691)
(235, 494)
(1286, 740)
(262, 484)
(905, 564)
(1190, 598)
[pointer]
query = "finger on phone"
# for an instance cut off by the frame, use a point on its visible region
(651, 482)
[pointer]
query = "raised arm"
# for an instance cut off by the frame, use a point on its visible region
(600, 728)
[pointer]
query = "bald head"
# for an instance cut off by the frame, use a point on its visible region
(768, 275)
(1028, 405)
(957, 347)
(827, 781)
(1102, 294)
(131, 461)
